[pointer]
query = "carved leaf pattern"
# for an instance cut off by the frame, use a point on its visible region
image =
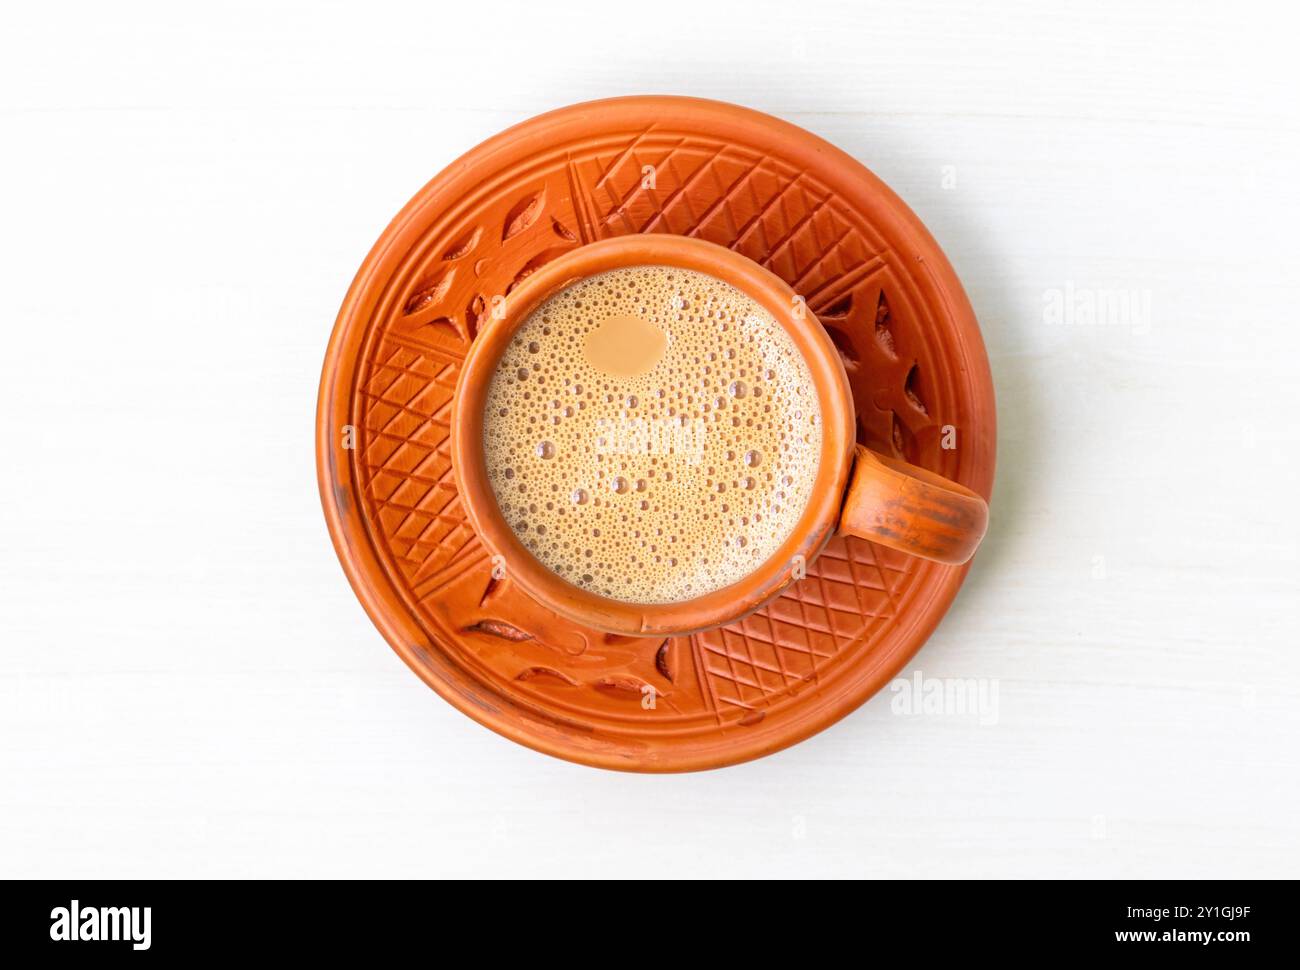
(430, 293)
(463, 245)
(498, 628)
(884, 324)
(523, 214)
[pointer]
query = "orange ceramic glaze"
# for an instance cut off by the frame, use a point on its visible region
(913, 510)
(906, 508)
(900, 326)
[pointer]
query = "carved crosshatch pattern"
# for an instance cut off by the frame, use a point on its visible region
(654, 180)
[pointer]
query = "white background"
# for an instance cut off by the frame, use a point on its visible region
(188, 686)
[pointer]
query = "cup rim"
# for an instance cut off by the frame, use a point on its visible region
(729, 603)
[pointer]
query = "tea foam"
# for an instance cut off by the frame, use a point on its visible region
(670, 470)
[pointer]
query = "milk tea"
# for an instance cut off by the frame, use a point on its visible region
(652, 434)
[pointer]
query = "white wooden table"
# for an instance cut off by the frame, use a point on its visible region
(188, 686)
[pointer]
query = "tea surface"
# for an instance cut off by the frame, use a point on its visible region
(652, 434)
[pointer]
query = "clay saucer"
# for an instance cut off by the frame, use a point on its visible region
(783, 197)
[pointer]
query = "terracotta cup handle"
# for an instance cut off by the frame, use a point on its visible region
(912, 510)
